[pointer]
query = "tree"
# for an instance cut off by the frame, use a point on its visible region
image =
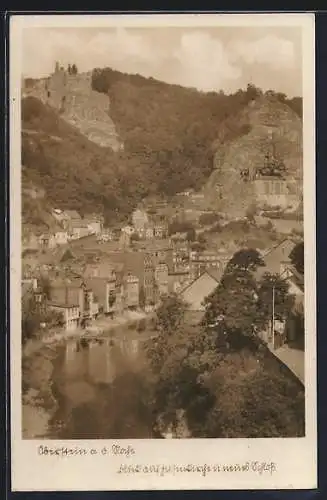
(214, 390)
(202, 239)
(177, 360)
(297, 257)
(273, 287)
(69, 69)
(247, 259)
(197, 246)
(254, 399)
(33, 316)
(45, 286)
(232, 307)
(30, 318)
(209, 218)
(181, 227)
(52, 318)
(170, 313)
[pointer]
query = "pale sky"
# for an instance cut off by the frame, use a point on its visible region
(222, 58)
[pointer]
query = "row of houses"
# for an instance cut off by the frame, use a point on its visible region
(68, 226)
(111, 284)
(150, 231)
(133, 280)
(145, 227)
(82, 300)
(277, 261)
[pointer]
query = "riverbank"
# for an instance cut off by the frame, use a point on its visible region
(38, 402)
(98, 328)
(38, 357)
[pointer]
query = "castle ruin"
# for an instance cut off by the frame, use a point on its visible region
(70, 93)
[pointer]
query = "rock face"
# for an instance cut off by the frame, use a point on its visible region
(269, 124)
(79, 105)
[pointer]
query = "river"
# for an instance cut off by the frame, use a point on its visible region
(102, 390)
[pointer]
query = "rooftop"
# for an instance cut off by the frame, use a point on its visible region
(68, 283)
(288, 242)
(79, 223)
(271, 178)
(178, 273)
(72, 214)
(215, 274)
(105, 265)
(62, 305)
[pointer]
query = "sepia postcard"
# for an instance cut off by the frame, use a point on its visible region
(162, 252)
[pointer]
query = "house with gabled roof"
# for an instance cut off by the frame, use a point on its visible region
(275, 257)
(74, 293)
(195, 293)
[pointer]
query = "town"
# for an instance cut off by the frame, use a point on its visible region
(86, 272)
(162, 286)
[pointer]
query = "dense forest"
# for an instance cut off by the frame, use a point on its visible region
(169, 134)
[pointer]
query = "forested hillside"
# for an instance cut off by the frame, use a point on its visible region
(169, 135)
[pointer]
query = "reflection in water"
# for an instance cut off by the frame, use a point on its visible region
(103, 391)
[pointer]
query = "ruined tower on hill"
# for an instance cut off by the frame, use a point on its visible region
(71, 95)
(56, 88)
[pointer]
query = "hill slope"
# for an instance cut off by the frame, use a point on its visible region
(74, 172)
(171, 128)
(169, 135)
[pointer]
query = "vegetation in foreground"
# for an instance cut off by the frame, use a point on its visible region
(220, 374)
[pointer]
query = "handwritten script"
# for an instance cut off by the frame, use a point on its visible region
(75, 451)
(202, 469)
(161, 469)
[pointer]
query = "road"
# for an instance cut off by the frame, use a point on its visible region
(293, 359)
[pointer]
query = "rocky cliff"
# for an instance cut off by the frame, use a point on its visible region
(264, 120)
(79, 105)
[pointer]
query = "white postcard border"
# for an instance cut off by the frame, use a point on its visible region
(296, 458)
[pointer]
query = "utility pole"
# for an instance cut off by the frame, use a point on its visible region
(273, 317)
(273, 308)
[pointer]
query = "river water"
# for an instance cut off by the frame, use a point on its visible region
(102, 389)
